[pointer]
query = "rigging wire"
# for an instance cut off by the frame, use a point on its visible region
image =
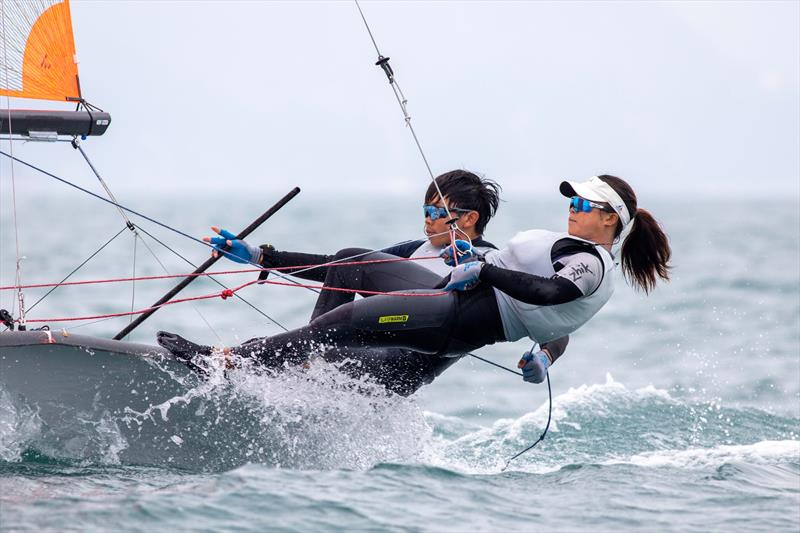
(130, 224)
(124, 208)
(133, 283)
(76, 144)
(60, 283)
(383, 62)
(166, 270)
(158, 223)
(136, 237)
(87, 324)
(106, 200)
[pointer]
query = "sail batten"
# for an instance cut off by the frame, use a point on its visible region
(38, 55)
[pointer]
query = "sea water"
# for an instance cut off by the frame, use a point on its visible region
(674, 411)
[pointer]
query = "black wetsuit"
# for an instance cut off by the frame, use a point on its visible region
(399, 369)
(403, 342)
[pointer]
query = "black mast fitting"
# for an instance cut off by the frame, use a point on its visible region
(383, 62)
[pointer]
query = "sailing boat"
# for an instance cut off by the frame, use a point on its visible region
(60, 378)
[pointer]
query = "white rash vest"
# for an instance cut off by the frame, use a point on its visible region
(530, 252)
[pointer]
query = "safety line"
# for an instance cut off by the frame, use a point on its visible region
(494, 364)
(546, 427)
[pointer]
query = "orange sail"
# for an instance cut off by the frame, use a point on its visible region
(38, 50)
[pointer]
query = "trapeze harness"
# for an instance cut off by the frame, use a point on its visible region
(523, 292)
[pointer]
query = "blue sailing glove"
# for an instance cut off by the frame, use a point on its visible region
(464, 251)
(240, 251)
(464, 277)
(534, 366)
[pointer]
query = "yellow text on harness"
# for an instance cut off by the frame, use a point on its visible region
(392, 319)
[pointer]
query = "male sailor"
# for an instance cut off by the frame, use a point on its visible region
(470, 200)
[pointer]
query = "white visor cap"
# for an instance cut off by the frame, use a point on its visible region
(597, 190)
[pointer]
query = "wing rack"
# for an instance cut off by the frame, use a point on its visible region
(37, 124)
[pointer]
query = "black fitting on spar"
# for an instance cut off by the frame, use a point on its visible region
(39, 123)
(91, 121)
(383, 62)
(7, 319)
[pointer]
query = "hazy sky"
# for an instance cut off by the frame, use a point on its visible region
(264, 96)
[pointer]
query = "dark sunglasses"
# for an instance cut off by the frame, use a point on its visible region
(578, 204)
(434, 212)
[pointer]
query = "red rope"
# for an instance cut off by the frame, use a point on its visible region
(227, 293)
(220, 273)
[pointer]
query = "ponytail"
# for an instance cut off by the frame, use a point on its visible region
(645, 251)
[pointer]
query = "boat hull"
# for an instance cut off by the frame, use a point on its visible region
(80, 398)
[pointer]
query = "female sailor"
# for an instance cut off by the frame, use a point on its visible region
(543, 285)
(471, 202)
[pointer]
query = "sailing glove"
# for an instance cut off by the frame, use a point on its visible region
(464, 277)
(464, 253)
(240, 251)
(534, 366)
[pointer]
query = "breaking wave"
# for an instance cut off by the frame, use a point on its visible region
(319, 418)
